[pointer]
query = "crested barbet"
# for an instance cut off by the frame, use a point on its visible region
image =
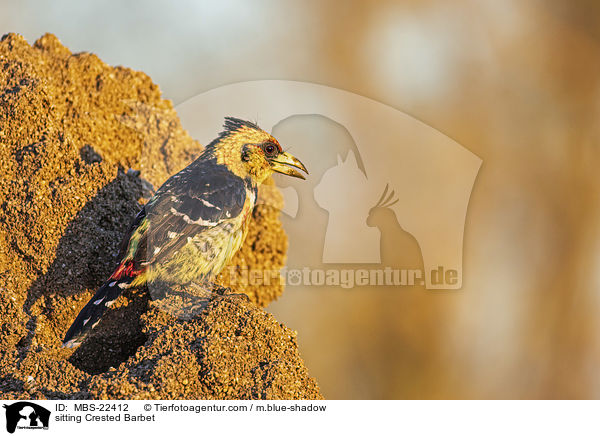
(196, 221)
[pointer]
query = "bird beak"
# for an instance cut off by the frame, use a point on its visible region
(281, 162)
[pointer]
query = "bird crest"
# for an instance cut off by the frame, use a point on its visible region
(230, 127)
(232, 124)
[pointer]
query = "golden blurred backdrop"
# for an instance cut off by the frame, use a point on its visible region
(515, 82)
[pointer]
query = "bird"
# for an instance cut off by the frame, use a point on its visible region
(196, 221)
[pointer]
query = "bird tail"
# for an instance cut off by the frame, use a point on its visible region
(91, 313)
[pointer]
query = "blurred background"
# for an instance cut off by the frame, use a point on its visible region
(515, 82)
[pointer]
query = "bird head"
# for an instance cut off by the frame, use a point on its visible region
(250, 151)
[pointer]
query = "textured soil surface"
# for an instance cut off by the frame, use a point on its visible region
(82, 145)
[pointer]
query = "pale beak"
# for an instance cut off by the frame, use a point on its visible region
(281, 162)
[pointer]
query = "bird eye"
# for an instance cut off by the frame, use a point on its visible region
(270, 149)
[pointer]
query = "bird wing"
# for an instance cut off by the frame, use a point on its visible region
(185, 205)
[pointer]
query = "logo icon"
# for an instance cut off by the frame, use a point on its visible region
(356, 149)
(387, 197)
(26, 415)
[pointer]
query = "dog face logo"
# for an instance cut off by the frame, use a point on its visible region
(26, 415)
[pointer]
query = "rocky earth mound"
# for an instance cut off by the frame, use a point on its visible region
(81, 146)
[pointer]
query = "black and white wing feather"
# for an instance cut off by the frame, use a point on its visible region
(187, 204)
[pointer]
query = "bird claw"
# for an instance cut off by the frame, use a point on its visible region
(238, 295)
(223, 292)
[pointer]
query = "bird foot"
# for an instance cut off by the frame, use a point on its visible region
(238, 296)
(224, 292)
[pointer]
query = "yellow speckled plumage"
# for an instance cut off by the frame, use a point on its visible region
(196, 221)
